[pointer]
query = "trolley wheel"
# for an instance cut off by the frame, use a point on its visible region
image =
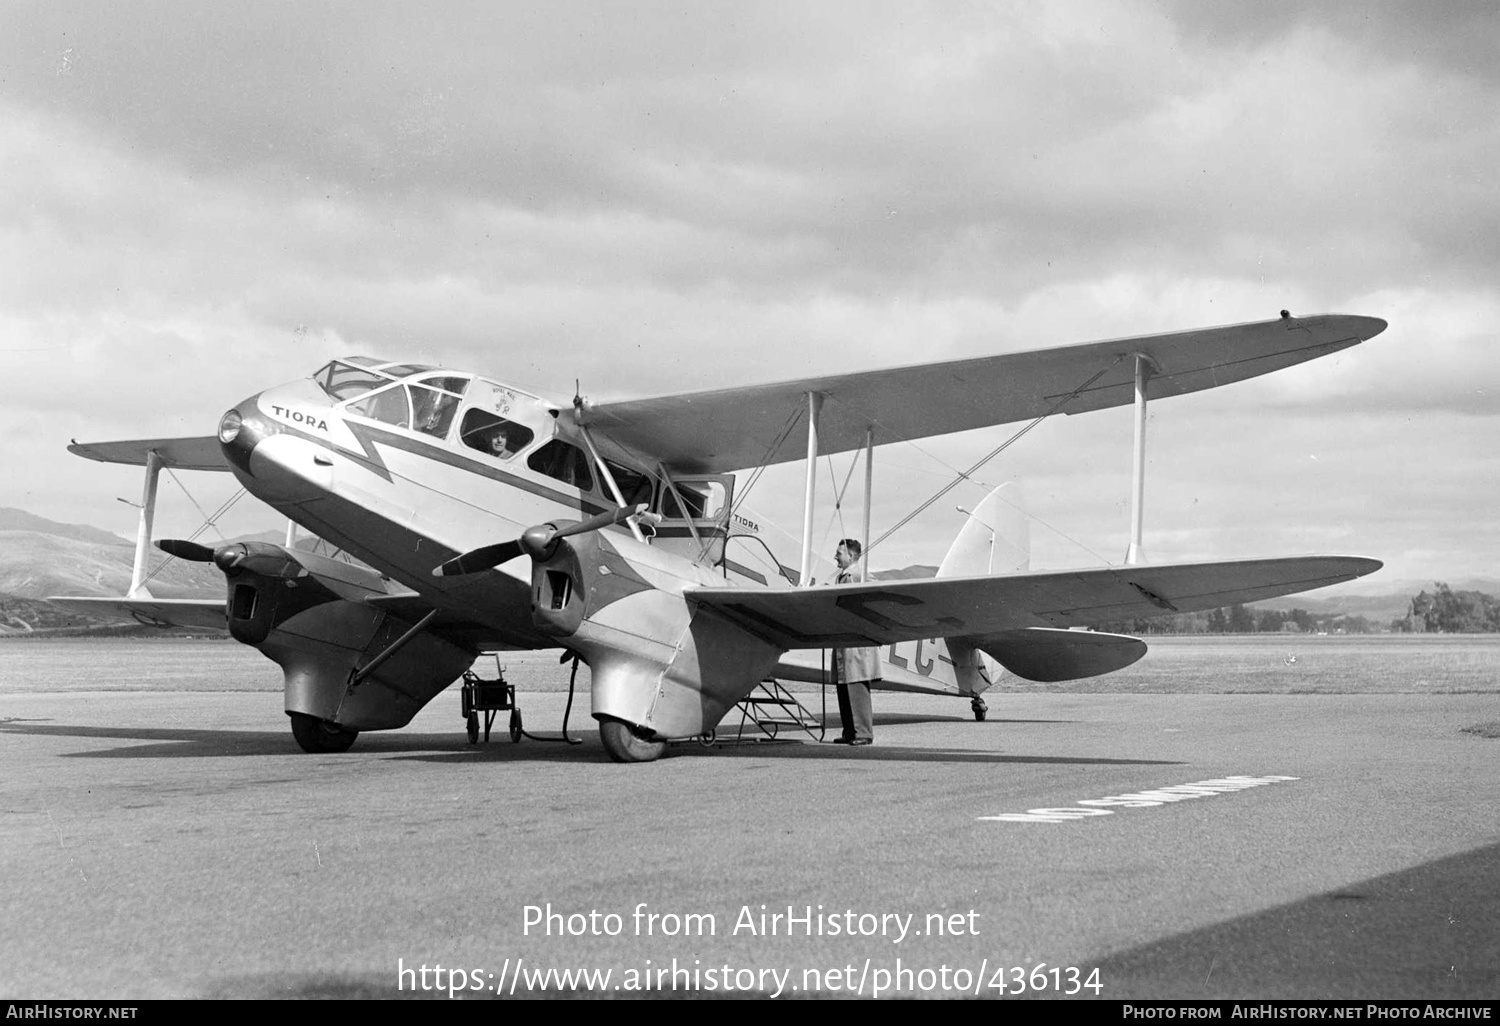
(515, 725)
(473, 725)
(318, 737)
(626, 744)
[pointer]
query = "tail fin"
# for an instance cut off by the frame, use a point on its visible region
(996, 539)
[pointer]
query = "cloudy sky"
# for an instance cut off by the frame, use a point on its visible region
(200, 200)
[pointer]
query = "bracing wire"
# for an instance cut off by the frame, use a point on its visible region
(966, 475)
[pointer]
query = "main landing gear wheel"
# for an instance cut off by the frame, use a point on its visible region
(979, 708)
(625, 744)
(317, 736)
(515, 726)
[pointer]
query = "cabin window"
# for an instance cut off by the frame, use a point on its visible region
(494, 436)
(635, 487)
(448, 383)
(402, 370)
(390, 406)
(704, 501)
(563, 462)
(434, 410)
(344, 381)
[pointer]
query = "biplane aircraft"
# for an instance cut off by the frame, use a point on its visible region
(490, 519)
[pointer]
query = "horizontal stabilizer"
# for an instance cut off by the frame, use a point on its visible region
(1048, 655)
(979, 609)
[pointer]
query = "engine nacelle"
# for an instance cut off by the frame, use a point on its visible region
(659, 662)
(320, 648)
(315, 626)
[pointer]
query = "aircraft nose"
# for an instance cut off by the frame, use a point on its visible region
(240, 432)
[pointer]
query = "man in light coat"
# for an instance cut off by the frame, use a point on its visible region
(854, 668)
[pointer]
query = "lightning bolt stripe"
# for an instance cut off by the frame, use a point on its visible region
(371, 459)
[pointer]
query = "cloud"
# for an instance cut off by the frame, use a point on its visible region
(651, 199)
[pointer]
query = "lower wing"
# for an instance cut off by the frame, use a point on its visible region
(985, 609)
(208, 613)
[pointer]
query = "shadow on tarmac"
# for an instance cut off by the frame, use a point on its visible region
(1426, 932)
(190, 743)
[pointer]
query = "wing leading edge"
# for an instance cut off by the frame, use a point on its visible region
(985, 610)
(735, 428)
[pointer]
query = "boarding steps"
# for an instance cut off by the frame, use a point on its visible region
(770, 708)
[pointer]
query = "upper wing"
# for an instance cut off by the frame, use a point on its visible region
(983, 610)
(178, 453)
(734, 428)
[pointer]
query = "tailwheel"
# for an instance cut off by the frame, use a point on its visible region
(625, 743)
(979, 708)
(317, 736)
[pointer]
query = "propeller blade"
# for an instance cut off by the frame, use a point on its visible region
(598, 521)
(534, 541)
(475, 560)
(190, 551)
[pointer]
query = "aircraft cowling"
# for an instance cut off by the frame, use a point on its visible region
(660, 663)
(304, 613)
(266, 587)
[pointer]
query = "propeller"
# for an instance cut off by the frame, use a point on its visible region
(536, 542)
(188, 550)
(261, 557)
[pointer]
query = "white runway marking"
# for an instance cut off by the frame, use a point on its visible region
(1136, 800)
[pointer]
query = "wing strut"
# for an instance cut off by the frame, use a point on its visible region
(814, 407)
(1144, 368)
(143, 532)
(864, 560)
(609, 479)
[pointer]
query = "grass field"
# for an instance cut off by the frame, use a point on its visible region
(1251, 664)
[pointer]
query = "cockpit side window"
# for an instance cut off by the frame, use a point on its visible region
(635, 487)
(390, 406)
(494, 436)
(704, 500)
(447, 382)
(344, 381)
(566, 463)
(433, 410)
(403, 370)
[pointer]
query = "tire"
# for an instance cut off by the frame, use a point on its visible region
(320, 737)
(625, 744)
(473, 728)
(515, 726)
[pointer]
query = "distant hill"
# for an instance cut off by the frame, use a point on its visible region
(20, 520)
(35, 564)
(907, 573)
(41, 557)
